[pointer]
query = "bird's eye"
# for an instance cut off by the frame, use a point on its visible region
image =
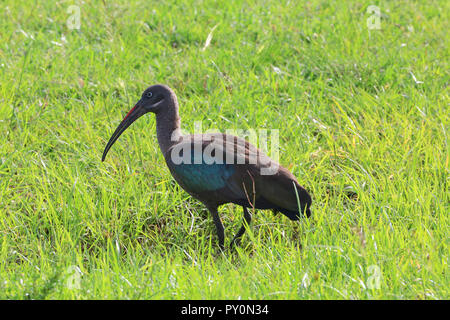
(149, 94)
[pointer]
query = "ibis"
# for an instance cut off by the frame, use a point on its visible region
(218, 168)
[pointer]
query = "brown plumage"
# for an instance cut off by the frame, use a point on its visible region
(218, 168)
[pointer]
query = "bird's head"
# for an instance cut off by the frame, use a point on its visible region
(154, 99)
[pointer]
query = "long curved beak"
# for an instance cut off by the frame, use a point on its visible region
(131, 116)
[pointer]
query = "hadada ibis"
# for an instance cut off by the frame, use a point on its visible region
(217, 168)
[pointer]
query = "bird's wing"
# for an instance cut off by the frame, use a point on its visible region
(223, 164)
(200, 165)
(283, 190)
(259, 176)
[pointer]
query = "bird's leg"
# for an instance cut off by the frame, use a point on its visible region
(219, 226)
(246, 222)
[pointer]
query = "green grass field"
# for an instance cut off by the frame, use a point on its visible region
(363, 119)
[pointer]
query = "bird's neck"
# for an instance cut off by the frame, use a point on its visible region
(168, 126)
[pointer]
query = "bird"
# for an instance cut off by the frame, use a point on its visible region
(218, 168)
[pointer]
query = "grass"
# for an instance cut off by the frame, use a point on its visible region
(363, 121)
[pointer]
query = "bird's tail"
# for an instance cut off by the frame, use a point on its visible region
(294, 214)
